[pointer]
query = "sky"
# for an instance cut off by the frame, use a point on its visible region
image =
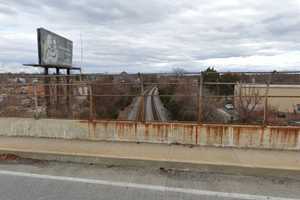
(156, 35)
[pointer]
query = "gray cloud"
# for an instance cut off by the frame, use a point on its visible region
(157, 35)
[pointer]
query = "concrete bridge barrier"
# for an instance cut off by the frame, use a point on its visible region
(220, 135)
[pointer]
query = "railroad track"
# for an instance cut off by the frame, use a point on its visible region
(155, 110)
(140, 114)
(148, 109)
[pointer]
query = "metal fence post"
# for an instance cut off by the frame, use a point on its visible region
(265, 120)
(57, 88)
(200, 99)
(91, 100)
(35, 100)
(69, 90)
(47, 91)
(80, 76)
(142, 113)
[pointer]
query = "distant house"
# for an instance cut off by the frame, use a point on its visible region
(283, 100)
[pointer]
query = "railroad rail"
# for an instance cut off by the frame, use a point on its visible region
(152, 107)
(155, 109)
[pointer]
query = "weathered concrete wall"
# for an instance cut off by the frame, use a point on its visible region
(242, 136)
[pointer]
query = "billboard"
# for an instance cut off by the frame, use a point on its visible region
(53, 49)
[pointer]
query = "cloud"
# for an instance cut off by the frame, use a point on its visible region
(157, 35)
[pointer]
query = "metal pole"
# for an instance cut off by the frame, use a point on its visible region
(80, 76)
(47, 91)
(200, 99)
(68, 92)
(218, 86)
(35, 100)
(91, 103)
(142, 114)
(57, 89)
(265, 120)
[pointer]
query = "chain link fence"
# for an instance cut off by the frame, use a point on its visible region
(266, 98)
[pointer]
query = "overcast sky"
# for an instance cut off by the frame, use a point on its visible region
(157, 35)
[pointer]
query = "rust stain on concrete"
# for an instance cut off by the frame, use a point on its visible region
(214, 135)
(261, 142)
(146, 131)
(237, 136)
(196, 135)
(284, 136)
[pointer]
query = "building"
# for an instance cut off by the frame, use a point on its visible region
(284, 99)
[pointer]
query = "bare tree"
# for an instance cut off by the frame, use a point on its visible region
(210, 110)
(248, 103)
(179, 71)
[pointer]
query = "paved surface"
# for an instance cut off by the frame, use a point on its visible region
(288, 160)
(31, 179)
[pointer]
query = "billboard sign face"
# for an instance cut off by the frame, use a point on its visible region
(53, 49)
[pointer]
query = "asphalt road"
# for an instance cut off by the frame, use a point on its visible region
(29, 180)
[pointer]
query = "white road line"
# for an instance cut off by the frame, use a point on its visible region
(145, 186)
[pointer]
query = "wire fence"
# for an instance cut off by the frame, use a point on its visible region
(209, 97)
